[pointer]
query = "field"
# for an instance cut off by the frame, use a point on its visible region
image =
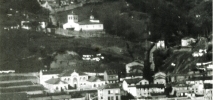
(9, 78)
(16, 84)
(21, 89)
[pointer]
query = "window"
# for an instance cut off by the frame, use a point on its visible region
(108, 98)
(109, 92)
(112, 98)
(70, 17)
(84, 78)
(94, 85)
(68, 79)
(101, 97)
(116, 91)
(56, 88)
(145, 82)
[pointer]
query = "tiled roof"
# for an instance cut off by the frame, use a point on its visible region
(208, 86)
(86, 22)
(158, 94)
(135, 63)
(54, 81)
(160, 77)
(151, 86)
(111, 72)
(133, 81)
(69, 72)
(200, 78)
(181, 85)
(94, 79)
(110, 86)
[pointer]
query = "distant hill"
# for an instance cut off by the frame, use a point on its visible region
(21, 5)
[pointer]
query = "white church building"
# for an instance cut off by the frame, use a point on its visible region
(91, 24)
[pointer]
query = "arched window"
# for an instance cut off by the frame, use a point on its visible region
(56, 88)
(84, 78)
(94, 85)
(74, 79)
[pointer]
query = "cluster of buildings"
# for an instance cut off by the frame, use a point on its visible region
(111, 85)
(98, 57)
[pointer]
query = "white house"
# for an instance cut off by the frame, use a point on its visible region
(129, 65)
(187, 41)
(95, 82)
(161, 44)
(160, 78)
(56, 85)
(91, 24)
(129, 85)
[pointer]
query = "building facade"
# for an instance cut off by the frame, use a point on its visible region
(91, 24)
(109, 92)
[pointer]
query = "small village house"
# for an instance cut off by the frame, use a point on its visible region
(109, 92)
(208, 90)
(151, 90)
(95, 82)
(160, 78)
(129, 85)
(111, 76)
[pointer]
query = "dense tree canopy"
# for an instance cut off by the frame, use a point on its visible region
(174, 19)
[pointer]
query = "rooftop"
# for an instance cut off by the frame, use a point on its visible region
(87, 21)
(208, 86)
(151, 86)
(111, 72)
(200, 78)
(69, 72)
(135, 63)
(54, 81)
(95, 79)
(110, 86)
(133, 81)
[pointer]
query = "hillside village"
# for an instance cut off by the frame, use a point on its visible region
(103, 50)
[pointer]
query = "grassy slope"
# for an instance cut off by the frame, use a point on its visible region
(108, 10)
(184, 60)
(16, 45)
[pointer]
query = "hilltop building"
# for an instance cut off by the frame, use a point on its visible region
(91, 24)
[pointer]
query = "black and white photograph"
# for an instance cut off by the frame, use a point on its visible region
(106, 50)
